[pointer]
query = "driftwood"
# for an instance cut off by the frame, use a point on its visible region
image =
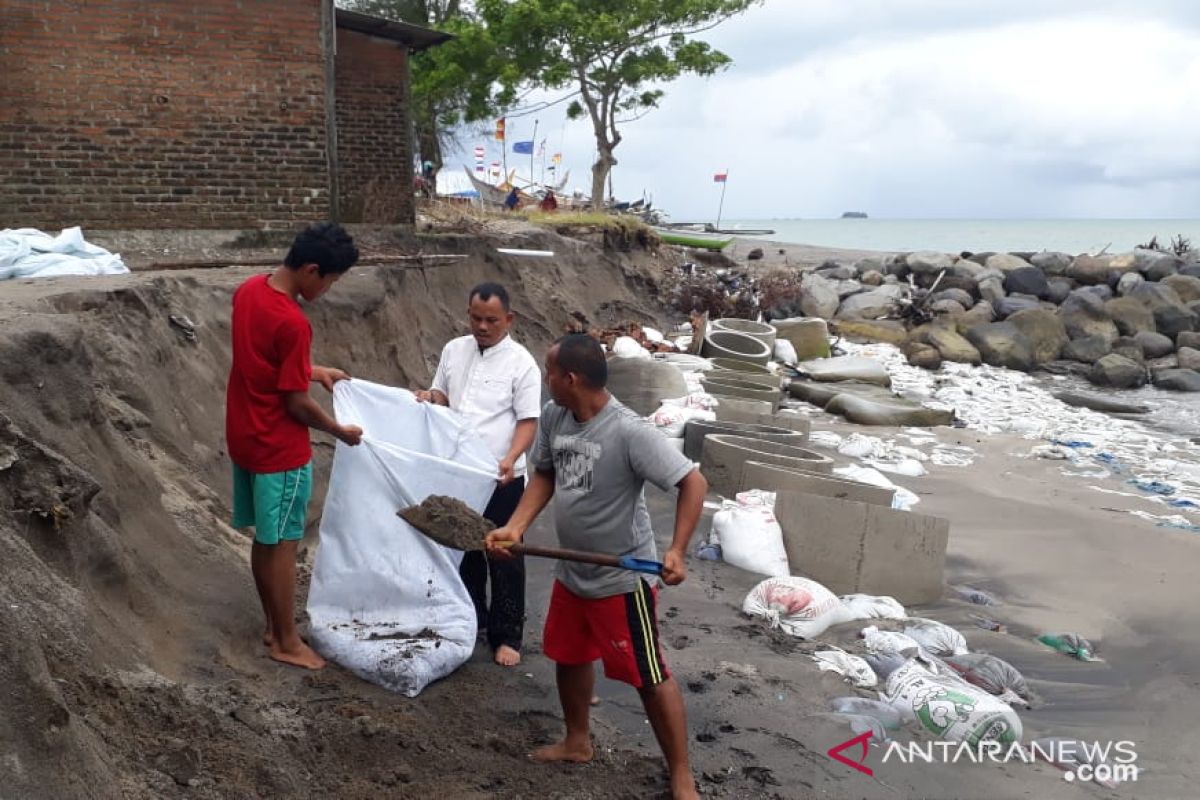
(369, 261)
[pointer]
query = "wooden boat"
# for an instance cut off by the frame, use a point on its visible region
(708, 227)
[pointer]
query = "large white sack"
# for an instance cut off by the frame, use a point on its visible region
(386, 602)
(30, 253)
(799, 606)
(750, 539)
(936, 638)
(948, 707)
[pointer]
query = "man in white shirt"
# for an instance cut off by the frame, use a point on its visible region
(496, 385)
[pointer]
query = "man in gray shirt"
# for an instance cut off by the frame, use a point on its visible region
(594, 455)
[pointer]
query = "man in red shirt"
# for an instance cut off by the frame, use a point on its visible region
(268, 412)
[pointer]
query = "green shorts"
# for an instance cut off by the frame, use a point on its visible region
(274, 504)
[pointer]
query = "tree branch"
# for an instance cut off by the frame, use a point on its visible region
(538, 107)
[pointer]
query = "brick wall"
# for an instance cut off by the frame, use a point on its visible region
(129, 114)
(375, 171)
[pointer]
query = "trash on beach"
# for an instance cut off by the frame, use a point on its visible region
(876, 709)
(863, 723)
(869, 606)
(948, 707)
(1053, 452)
(827, 439)
(909, 467)
(935, 637)
(512, 251)
(888, 642)
(1071, 644)
(992, 674)
(628, 347)
(30, 253)
(1152, 486)
(989, 624)
(852, 667)
(708, 552)
(798, 606)
(976, 596)
(785, 352)
(902, 499)
(1072, 443)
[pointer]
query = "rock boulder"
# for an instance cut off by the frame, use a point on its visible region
(1118, 372)
(1083, 315)
(1002, 344)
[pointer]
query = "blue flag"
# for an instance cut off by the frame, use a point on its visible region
(524, 148)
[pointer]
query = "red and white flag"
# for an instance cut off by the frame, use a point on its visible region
(720, 177)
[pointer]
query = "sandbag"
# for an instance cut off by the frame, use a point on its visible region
(936, 638)
(671, 420)
(869, 606)
(895, 412)
(799, 606)
(994, 675)
(785, 352)
(847, 368)
(877, 709)
(888, 642)
(628, 347)
(949, 708)
(386, 602)
(750, 538)
(853, 668)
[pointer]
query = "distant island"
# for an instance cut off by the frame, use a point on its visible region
(854, 215)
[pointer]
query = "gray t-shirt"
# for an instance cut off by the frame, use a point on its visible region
(599, 470)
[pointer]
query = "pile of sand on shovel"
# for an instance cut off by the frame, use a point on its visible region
(449, 522)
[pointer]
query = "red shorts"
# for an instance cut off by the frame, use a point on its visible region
(621, 630)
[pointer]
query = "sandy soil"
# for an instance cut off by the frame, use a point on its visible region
(129, 625)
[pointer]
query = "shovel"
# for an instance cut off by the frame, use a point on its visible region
(450, 523)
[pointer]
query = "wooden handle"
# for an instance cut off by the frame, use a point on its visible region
(562, 554)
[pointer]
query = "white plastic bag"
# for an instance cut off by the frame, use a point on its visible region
(628, 347)
(885, 642)
(936, 638)
(799, 606)
(750, 539)
(785, 352)
(386, 602)
(854, 668)
(30, 253)
(949, 708)
(869, 606)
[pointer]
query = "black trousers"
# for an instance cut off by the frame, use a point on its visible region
(504, 617)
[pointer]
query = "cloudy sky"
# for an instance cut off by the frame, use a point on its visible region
(925, 109)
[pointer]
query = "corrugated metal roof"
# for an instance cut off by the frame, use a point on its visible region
(413, 36)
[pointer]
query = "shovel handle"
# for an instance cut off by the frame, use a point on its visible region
(584, 557)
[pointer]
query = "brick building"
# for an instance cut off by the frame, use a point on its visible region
(221, 114)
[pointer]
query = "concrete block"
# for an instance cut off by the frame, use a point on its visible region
(716, 383)
(697, 430)
(851, 547)
(775, 478)
(724, 458)
(763, 379)
(738, 409)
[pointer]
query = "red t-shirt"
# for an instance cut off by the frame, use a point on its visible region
(271, 340)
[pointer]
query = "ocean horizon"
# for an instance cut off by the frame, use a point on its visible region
(1073, 236)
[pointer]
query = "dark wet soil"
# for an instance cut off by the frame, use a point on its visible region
(448, 521)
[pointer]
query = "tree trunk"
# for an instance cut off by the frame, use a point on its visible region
(604, 164)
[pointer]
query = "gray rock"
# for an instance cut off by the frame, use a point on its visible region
(1188, 358)
(978, 314)
(871, 278)
(991, 289)
(1117, 372)
(819, 297)
(897, 265)
(1174, 320)
(1006, 263)
(1186, 286)
(1155, 295)
(1051, 263)
(755, 255)
(1026, 280)
(1083, 315)
(837, 272)
(1059, 289)
(951, 345)
(1128, 283)
(922, 355)
(1008, 306)
(1129, 347)
(959, 296)
(947, 308)
(1090, 269)
(979, 258)
(927, 262)
(1154, 345)
(1002, 344)
(1155, 264)
(1098, 403)
(1088, 350)
(869, 264)
(961, 284)
(1191, 270)
(965, 268)
(1045, 332)
(848, 287)
(1188, 339)
(870, 305)
(1104, 292)
(1178, 380)
(1130, 316)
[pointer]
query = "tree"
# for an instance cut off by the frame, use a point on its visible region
(611, 54)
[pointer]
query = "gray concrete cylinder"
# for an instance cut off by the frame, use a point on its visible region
(730, 344)
(733, 387)
(759, 330)
(696, 430)
(778, 478)
(723, 460)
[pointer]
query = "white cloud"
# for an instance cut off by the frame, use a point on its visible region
(928, 108)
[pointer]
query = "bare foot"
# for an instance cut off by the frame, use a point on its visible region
(300, 656)
(684, 787)
(562, 751)
(506, 656)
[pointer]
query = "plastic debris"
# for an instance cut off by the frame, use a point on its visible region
(979, 598)
(1152, 486)
(876, 709)
(863, 723)
(902, 499)
(854, 668)
(1050, 451)
(1072, 443)
(1070, 644)
(935, 637)
(989, 624)
(709, 552)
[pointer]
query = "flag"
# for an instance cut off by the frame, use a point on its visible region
(495, 169)
(542, 148)
(557, 159)
(524, 148)
(500, 129)
(720, 177)
(480, 152)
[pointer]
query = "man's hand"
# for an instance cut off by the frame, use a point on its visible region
(505, 472)
(496, 542)
(674, 571)
(424, 396)
(350, 434)
(328, 376)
